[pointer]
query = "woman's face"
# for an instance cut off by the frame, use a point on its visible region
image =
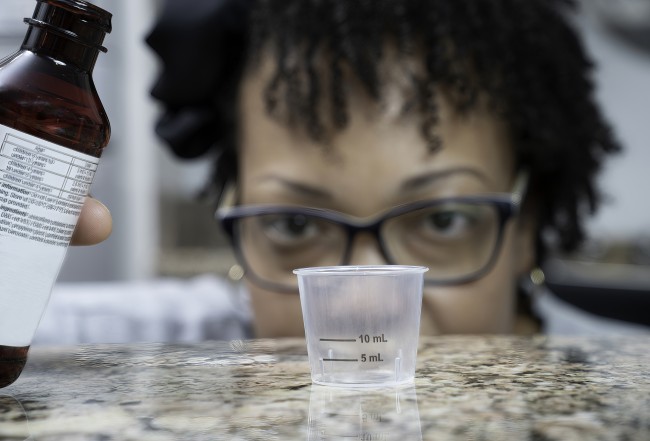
(378, 161)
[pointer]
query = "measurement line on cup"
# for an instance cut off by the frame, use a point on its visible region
(341, 359)
(351, 340)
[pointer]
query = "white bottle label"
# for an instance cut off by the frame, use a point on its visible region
(42, 189)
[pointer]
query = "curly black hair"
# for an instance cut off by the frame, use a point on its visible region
(523, 55)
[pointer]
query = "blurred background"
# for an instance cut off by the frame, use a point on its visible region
(162, 229)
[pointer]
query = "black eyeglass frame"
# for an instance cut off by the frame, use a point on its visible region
(508, 205)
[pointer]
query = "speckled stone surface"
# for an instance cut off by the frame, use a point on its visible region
(467, 388)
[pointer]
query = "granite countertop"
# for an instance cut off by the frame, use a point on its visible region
(466, 388)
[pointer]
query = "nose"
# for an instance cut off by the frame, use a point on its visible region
(365, 251)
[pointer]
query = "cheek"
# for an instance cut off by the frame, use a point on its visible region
(486, 305)
(275, 314)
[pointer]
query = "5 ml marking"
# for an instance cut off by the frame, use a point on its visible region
(371, 358)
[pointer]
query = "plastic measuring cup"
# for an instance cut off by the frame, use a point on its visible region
(361, 323)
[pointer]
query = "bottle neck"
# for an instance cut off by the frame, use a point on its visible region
(69, 31)
(52, 42)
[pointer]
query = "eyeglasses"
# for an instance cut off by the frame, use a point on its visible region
(457, 238)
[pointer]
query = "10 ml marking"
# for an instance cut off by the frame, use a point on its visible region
(365, 338)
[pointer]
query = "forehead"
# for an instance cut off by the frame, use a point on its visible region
(363, 166)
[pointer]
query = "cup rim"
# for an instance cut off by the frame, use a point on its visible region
(363, 270)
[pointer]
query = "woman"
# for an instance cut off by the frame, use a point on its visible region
(462, 136)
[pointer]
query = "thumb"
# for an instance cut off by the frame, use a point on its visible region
(94, 225)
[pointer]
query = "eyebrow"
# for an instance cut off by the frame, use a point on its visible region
(424, 179)
(300, 188)
(411, 184)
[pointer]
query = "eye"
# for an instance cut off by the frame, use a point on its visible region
(289, 229)
(449, 222)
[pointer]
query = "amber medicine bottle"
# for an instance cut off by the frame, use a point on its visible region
(53, 128)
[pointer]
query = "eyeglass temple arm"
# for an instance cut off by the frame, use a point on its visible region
(228, 197)
(520, 188)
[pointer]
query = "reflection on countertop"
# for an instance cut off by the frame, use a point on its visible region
(467, 387)
(363, 414)
(13, 411)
